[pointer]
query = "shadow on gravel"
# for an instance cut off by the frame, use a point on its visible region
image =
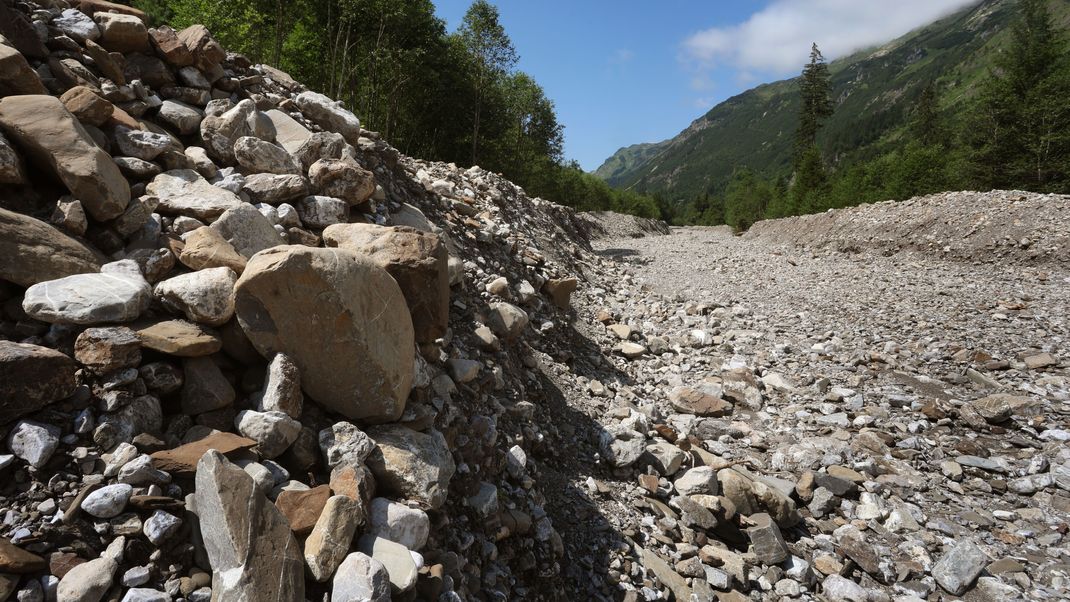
(578, 514)
(617, 253)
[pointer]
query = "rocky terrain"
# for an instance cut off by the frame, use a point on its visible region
(248, 351)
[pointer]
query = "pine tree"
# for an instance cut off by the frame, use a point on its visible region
(926, 126)
(1020, 133)
(814, 88)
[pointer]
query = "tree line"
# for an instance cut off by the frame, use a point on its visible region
(447, 96)
(1014, 135)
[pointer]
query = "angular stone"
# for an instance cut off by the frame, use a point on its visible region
(108, 501)
(31, 377)
(766, 541)
(182, 460)
(205, 296)
(342, 179)
(14, 559)
(330, 539)
(122, 33)
(119, 293)
(76, 25)
(319, 212)
(167, 45)
(959, 567)
(699, 401)
(303, 508)
(141, 144)
(55, 140)
(737, 488)
(185, 119)
(179, 338)
(185, 192)
(666, 575)
(34, 442)
(698, 480)
(205, 50)
(841, 589)
(288, 132)
(343, 444)
(87, 106)
(341, 319)
(272, 431)
(44, 252)
(142, 415)
(253, 553)
(395, 557)
(106, 349)
(282, 387)
(206, 388)
(325, 113)
(506, 320)
(275, 188)
(416, 260)
(560, 290)
(361, 578)
(206, 248)
(12, 170)
(399, 523)
(622, 446)
(257, 156)
(16, 75)
(412, 464)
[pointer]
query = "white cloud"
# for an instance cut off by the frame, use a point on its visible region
(776, 40)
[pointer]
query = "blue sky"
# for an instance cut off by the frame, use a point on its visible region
(628, 71)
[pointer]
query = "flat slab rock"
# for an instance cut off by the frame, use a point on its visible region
(182, 460)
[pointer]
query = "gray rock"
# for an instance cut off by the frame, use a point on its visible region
(700, 479)
(959, 567)
(395, 557)
(665, 457)
(118, 294)
(622, 446)
(205, 296)
(247, 230)
(485, 500)
(141, 144)
(275, 188)
(345, 444)
(272, 431)
(261, 564)
(31, 377)
(144, 594)
(141, 472)
(76, 25)
(161, 526)
(506, 320)
(416, 465)
(318, 212)
(221, 131)
(841, 589)
(108, 501)
(257, 156)
(184, 118)
(183, 192)
(282, 387)
(142, 415)
(766, 541)
(361, 578)
(34, 442)
(205, 388)
(397, 522)
(325, 113)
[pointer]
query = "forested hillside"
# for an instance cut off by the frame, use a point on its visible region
(735, 164)
(455, 97)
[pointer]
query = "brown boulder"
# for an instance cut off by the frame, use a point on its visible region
(206, 52)
(89, 108)
(302, 508)
(182, 460)
(37, 252)
(699, 402)
(122, 33)
(179, 338)
(417, 261)
(16, 75)
(169, 48)
(341, 319)
(560, 290)
(14, 559)
(32, 377)
(91, 7)
(54, 139)
(107, 348)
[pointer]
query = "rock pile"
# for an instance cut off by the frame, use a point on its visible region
(247, 349)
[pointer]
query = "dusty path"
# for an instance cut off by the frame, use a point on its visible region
(903, 418)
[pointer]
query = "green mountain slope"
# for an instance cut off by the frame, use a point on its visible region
(873, 93)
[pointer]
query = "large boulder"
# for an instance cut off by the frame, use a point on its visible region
(341, 319)
(253, 553)
(185, 192)
(16, 75)
(32, 377)
(38, 252)
(414, 465)
(119, 293)
(220, 132)
(288, 132)
(247, 230)
(327, 114)
(55, 140)
(417, 261)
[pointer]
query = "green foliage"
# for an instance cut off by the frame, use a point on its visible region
(1020, 132)
(814, 108)
(447, 97)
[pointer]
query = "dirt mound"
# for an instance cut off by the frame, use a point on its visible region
(996, 226)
